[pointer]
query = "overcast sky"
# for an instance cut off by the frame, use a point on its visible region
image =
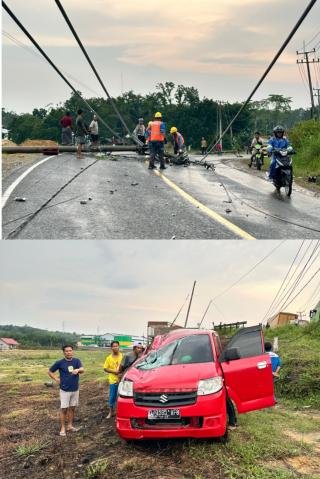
(119, 286)
(220, 47)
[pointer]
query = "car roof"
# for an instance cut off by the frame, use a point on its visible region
(178, 334)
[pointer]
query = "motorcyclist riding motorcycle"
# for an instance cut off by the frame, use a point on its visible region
(280, 172)
(256, 148)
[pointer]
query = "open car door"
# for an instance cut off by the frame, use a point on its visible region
(247, 370)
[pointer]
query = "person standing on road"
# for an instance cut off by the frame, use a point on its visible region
(81, 132)
(94, 130)
(66, 132)
(140, 131)
(157, 137)
(204, 146)
(112, 366)
(131, 358)
(69, 369)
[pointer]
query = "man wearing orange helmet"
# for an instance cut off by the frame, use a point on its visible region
(156, 133)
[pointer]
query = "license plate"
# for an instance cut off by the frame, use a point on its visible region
(164, 414)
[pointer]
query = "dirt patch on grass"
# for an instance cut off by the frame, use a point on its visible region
(84, 455)
(305, 464)
(312, 438)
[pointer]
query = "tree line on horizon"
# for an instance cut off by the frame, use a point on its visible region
(30, 337)
(180, 105)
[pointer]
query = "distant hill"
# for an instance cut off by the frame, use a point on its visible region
(29, 337)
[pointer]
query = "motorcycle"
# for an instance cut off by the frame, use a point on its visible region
(283, 171)
(257, 159)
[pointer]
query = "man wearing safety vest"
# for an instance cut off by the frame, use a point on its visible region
(156, 133)
(177, 140)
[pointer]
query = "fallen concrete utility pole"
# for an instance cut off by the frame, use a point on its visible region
(63, 149)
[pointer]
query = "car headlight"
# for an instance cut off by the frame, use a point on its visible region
(210, 386)
(126, 388)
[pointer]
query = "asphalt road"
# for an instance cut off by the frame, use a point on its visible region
(128, 201)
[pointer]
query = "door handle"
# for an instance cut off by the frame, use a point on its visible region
(262, 365)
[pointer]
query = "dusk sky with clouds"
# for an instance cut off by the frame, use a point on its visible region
(220, 47)
(118, 286)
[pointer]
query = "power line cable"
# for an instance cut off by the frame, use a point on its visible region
(114, 106)
(304, 286)
(25, 31)
(315, 294)
(313, 38)
(292, 281)
(301, 275)
(287, 41)
(283, 282)
(36, 54)
(248, 272)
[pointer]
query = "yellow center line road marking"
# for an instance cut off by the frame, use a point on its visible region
(209, 212)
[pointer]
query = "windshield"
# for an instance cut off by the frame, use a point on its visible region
(188, 350)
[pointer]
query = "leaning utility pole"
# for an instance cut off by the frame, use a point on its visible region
(187, 317)
(307, 62)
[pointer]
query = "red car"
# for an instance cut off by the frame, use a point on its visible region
(179, 388)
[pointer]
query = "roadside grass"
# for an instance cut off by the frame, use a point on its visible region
(96, 469)
(30, 449)
(21, 366)
(259, 441)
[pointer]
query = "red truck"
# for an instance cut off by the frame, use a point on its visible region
(179, 387)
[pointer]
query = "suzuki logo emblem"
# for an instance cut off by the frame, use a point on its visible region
(163, 398)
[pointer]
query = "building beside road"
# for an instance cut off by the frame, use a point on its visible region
(281, 319)
(8, 343)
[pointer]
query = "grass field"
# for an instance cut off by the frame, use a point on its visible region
(278, 443)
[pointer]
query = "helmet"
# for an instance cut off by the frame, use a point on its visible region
(173, 130)
(278, 129)
(158, 115)
(141, 120)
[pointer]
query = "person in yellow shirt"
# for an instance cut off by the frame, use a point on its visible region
(111, 366)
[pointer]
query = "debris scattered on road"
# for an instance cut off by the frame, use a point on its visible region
(111, 192)
(134, 184)
(20, 198)
(228, 210)
(90, 199)
(83, 202)
(173, 237)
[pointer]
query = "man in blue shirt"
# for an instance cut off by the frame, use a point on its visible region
(69, 369)
(275, 361)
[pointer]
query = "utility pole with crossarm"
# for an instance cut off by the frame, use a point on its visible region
(307, 62)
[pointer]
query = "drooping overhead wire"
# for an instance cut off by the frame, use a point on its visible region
(283, 282)
(249, 271)
(288, 300)
(43, 53)
(26, 47)
(312, 39)
(275, 59)
(293, 280)
(114, 106)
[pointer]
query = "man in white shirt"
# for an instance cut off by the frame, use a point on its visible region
(94, 131)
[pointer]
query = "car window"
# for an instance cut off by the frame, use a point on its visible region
(248, 342)
(189, 350)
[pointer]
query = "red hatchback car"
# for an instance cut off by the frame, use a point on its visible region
(180, 387)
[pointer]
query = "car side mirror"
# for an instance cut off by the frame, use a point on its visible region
(231, 354)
